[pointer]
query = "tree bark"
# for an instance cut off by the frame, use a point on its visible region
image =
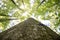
(30, 29)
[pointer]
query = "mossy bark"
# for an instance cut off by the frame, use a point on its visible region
(29, 30)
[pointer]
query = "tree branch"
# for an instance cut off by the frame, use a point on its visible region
(23, 2)
(40, 3)
(16, 5)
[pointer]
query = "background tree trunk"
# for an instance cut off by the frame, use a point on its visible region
(29, 30)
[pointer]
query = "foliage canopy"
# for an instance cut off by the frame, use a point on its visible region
(22, 9)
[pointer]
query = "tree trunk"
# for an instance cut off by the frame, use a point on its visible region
(30, 29)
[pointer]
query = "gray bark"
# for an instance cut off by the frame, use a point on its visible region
(30, 29)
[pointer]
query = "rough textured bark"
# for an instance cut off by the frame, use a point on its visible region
(30, 29)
